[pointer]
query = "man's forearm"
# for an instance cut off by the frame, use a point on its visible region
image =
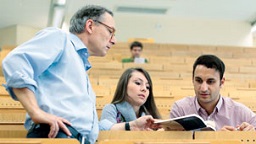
(27, 99)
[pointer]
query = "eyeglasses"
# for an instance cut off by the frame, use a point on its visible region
(110, 29)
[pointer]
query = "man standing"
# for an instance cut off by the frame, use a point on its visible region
(47, 74)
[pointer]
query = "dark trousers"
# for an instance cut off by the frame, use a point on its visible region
(42, 131)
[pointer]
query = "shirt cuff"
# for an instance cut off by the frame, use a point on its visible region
(105, 124)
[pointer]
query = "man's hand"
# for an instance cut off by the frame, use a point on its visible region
(28, 100)
(228, 128)
(243, 127)
(55, 123)
(246, 127)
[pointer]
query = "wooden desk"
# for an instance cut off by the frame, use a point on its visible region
(37, 141)
(144, 135)
(12, 131)
(173, 141)
(244, 137)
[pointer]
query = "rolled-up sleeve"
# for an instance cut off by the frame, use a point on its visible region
(108, 117)
(24, 64)
(16, 82)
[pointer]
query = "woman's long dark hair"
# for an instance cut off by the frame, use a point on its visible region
(149, 106)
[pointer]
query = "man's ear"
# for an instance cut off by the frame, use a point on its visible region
(222, 81)
(89, 26)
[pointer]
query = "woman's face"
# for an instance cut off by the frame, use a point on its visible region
(137, 89)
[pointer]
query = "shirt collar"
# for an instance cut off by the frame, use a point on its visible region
(197, 105)
(76, 41)
(218, 106)
(81, 50)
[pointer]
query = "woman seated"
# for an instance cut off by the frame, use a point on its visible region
(133, 106)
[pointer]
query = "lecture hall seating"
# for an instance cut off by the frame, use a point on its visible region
(170, 67)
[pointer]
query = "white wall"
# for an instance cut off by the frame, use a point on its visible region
(8, 36)
(25, 33)
(184, 31)
(161, 29)
(16, 35)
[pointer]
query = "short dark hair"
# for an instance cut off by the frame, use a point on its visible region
(121, 92)
(210, 61)
(79, 19)
(136, 44)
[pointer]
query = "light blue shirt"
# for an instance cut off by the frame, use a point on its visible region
(53, 65)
